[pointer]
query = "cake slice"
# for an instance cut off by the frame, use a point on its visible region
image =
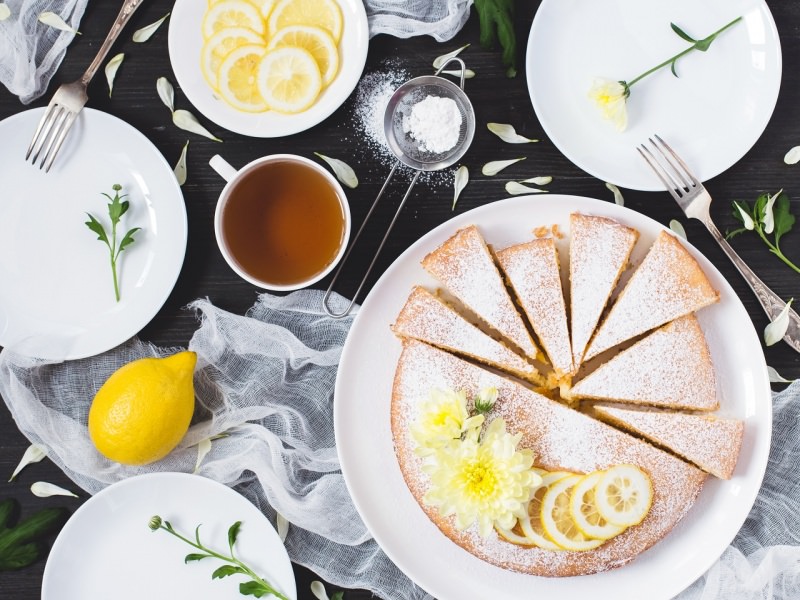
(668, 284)
(709, 442)
(598, 253)
(427, 318)
(671, 367)
(532, 271)
(465, 266)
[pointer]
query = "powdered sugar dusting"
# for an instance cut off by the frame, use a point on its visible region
(671, 367)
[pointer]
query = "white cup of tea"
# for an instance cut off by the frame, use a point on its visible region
(282, 221)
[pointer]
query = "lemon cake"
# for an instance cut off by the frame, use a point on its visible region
(560, 439)
(428, 318)
(599, 252)
(712, 443)
(532, 271)
(671, 367)
(668, 284)
(464, 264)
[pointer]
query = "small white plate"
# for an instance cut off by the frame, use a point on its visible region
(57, 296)
(106, 549)
(369, 465)
(186, 41)
(712, 114)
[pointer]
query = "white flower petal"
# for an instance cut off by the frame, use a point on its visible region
(468, 73)
(203, 448)
(283, 526)
(180, 168)
(33, 454)
(538, 180)
(508, 134)
(495, 166)
(677, 228)
(617, 194)
(439, 61)
(775, 377)
(459, 183)
(342, 170)
(53, 20)
(166, 92)
(111, 70)
(514, 188)
(769, 216)
(748, 220)
(319, 590)
(187, 121)
(5, 12)
(42, 489)
(145, 33)
(774, 332)
(792, 156)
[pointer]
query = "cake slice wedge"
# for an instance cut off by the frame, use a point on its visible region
(668, 284)
(710, 442)
(464, 264)
(532, 271)
(671, 368)
(427, 318)
(598, 254)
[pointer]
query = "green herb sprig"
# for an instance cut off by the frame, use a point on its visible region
(20, 545)
(257, 587)
(497, 23)
(770, 218)
(116, 209)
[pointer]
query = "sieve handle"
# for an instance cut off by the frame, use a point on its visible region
(325, 298)
(460, 64)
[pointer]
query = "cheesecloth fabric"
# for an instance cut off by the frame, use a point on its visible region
(30, 51)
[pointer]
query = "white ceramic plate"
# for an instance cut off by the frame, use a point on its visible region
(57, 295)
(711, 115)
(364, 440)
(186, 41)
(106, 549)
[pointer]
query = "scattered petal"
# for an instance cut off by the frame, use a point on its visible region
(187, 121)
(775, 377)
(440, 61)
(769, 217)
(53, 20)
(283, 526)
(468, 73)
(774, 332)
(746, 218)
(319, 590)
(145, 33)
(617, 194)
(180, 168)
(166, 92)
(495, 166)
(111, 70)
(203, 446)
(508, 134)
(5, 12)
(538, 180)
(792, 156)
(342, 170)
(459, 183)
(42, 489)
(678, 229)
(33, 454)
(514, 188)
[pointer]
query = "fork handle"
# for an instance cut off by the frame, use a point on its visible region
(770, 301)
(125, 13)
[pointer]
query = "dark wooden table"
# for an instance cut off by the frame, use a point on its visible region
(495, 97)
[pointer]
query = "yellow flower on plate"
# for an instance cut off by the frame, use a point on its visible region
(443, 417)
(484, 480)
(610, 97)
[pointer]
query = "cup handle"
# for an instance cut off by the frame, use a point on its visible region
(222, 167)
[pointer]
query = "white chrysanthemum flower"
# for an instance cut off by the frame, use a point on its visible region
(488, 480)
(443, 417)
(610, 97)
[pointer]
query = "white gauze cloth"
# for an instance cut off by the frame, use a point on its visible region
(30, 51)
(267, 378)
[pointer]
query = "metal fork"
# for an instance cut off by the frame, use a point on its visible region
(70, 98)
(695, 201)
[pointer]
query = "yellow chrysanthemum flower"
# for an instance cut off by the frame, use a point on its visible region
(487, 480)
(443, 417)
(610, 97)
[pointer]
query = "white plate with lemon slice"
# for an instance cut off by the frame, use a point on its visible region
(301, 92)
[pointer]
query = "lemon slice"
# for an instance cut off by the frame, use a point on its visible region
(219, 45)
(623, 495)
(232, 13)
(583, 510)
(532, 526)
(556, 520)
(314, 39)
(237, 78)
(511, 535)
(319, 13)
(289, 79)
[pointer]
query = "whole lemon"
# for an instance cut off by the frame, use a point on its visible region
(143, 410)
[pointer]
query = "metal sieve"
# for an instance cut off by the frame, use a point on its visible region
(408, 152)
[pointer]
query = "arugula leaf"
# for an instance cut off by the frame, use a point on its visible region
(497, 23)
(127, 240)
(195, 557)
(225, 571)
(19, 545)
(253, 588)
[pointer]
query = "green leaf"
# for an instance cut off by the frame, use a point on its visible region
(32, 528)
(337, 596)
(7, 508)
(681, 33)
(784, 219)
(226, 570)
(19, 557)
(253, 588)
(703, 45)
(759, 208)
(195, 557)
(497, 23)
(97, 228)
(729, 235)
(672, 67)
(128, 239)
(197, 535)
(233, 532)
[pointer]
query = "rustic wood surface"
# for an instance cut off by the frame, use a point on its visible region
(495, 97)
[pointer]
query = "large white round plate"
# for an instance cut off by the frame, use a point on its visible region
(57, 298)
(186, 41)
(364, 440)
(712, 114)
(106, 549)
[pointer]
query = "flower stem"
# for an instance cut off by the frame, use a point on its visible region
(776, 251)
(704, 42)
